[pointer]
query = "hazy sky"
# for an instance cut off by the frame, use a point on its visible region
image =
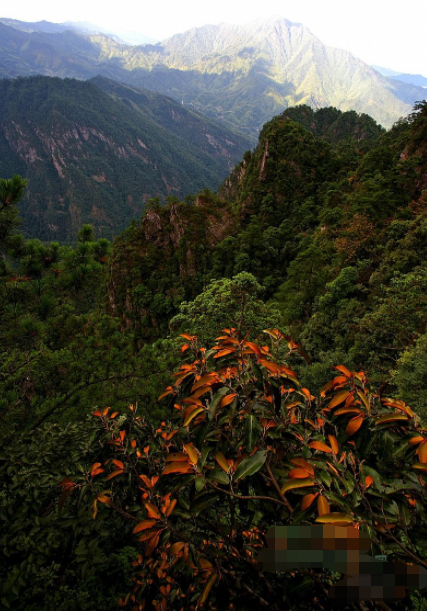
(389, 33)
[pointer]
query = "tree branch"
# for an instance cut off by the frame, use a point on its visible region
(246, 498)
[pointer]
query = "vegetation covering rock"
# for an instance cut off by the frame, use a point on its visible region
(318, 235)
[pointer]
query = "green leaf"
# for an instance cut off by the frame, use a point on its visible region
(200, 482)
(203, 503)
(203, 457)
(250, 465)
(252, 428)
(324, 476)
(376, 476)
(216, 401)
(300, 589)
(218, 476)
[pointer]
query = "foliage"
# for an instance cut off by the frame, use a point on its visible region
(247, 448)
(323, 236)
(236, 302)
(52, 555)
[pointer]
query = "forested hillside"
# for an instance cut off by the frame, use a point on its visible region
(96, 152)
(245, 358)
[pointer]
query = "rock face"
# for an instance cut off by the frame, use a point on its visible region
(96, 157)
(242, 75)
(178, 237)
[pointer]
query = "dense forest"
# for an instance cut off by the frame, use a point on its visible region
(246, 358)
(95, 152)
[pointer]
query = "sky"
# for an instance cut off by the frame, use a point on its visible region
(387, 33)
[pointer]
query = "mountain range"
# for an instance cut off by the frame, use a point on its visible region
(242, 75)
(95, 152)
(82, 27)
(414, 79)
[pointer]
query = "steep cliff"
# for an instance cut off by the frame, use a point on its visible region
(96, 157)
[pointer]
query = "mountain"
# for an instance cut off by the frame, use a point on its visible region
(337, 241)
(93, 156)
(242, 75)
(413, 79)
(125, 36)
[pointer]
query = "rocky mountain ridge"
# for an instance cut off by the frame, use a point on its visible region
(242, 75)
(93, 156)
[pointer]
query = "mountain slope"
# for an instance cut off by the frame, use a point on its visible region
(91, 158)
(241, 75)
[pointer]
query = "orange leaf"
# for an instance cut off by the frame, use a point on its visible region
(149, 534)
(368, 480)
(332, 468)
(113, 415)
(171, 508)
(177, 457)
(297, 483)
(201, 391)
(347, 410)
(143, 526)
(205, 381)
(420, 467)
(189, 337)
(114, 474)
(192, 453)
(208, 587)
(181, 376)
(228, 399)
(146, 481)
(416, 440)
(364, 399)
(222, 461)
(307, 393)
(422, 452)
(225, 352)
(178, 467)
(323, 507)
(176, 548)
(300, 462)
(354, 425)
(338, 519)
(153, 512)
(270, 365)
(253, 347)
(95, 469)
(339, 398)
(169, 390)
(307, 501)
(298, 473)
(191, 414)
(193, 401)
(343, 370)
(391, 418)
(334, 443)
(119, 464)
(319, 445)
(152, 543)
(104, 499)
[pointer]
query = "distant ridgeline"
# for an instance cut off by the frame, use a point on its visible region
(242, 75)
(96, 152)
